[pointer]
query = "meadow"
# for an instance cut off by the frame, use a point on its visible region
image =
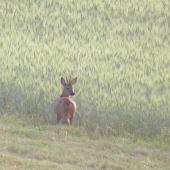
(29, 143)
(119, 50)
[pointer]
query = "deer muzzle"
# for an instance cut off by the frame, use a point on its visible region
(72, 94)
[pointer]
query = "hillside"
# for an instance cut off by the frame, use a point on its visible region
(119, 50)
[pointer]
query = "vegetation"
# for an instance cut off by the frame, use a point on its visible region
(29, 143)
(119, 50)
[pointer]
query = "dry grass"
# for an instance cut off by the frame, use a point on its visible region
(26, 146)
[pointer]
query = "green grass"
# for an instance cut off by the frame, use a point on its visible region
(25, 145)
(119, 50)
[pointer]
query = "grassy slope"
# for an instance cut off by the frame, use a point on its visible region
(119, 50)
(104, 44)
(24, 144)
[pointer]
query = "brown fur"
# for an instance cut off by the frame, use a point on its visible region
(64, 106)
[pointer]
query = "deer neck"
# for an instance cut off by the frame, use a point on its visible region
(64, 94)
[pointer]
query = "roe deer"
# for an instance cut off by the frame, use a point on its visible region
(64, 106)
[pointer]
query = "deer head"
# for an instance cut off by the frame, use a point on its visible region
(68, 86)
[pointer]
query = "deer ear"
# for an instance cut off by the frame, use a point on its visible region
(73, 81)
(63, 81)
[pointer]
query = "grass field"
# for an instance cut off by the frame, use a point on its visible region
(119, 50)
(26, 145)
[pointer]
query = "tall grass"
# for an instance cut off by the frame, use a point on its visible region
(118, 50)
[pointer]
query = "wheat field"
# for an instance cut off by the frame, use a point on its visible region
(119, 50)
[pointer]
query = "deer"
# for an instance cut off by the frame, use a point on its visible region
(65, 107)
